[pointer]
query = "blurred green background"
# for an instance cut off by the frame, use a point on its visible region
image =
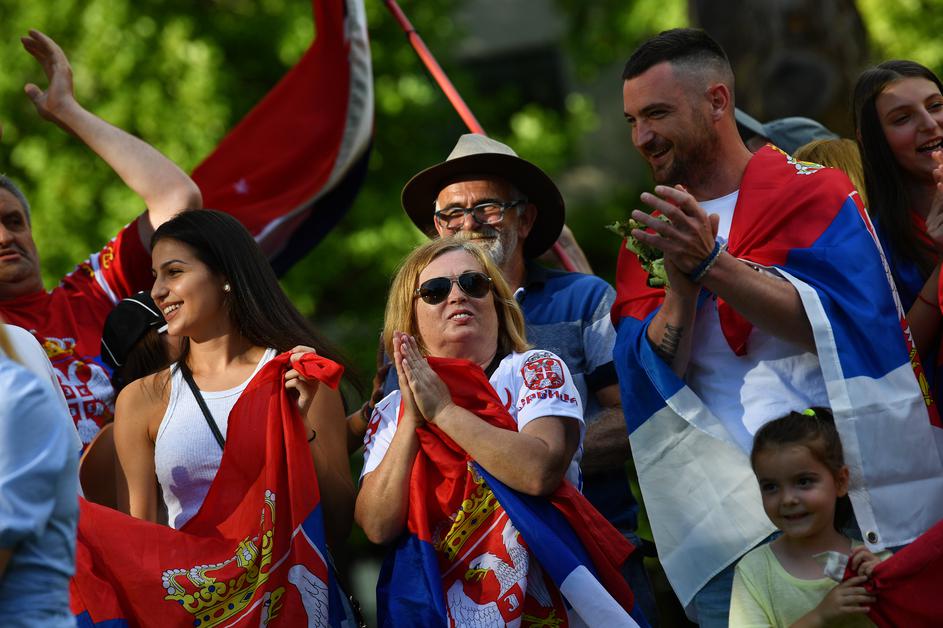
(541, 75)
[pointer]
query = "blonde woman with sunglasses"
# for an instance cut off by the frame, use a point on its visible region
(449, 300)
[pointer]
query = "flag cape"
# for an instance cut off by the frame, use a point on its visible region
(909, 280)
(806, 224)
(462, 559)
(254, 552)
(907, 585)
(291, 168)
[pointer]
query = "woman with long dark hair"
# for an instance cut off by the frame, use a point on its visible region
(898, 109)
(218, 293)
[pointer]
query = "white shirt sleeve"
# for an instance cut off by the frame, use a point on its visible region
(545, 388)
(380, 431)
(33, 357)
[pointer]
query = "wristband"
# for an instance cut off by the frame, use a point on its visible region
(701, 270)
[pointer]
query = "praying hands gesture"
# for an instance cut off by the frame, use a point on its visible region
(423, 391)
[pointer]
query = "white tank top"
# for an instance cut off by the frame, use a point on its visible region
(186, 454)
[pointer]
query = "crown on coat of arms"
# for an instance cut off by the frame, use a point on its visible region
(470, 516)
(215, 593)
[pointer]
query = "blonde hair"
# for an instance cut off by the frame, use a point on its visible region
(840, 153)
(401, 310)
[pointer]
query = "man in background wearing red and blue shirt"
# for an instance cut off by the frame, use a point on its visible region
(68, 320)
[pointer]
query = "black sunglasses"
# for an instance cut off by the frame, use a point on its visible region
(436, 290)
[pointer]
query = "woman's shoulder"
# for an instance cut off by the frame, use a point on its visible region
(144, 395)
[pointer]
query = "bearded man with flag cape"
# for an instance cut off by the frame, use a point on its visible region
(779, 300)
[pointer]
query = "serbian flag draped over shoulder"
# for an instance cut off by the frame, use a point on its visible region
(805, 224)
(468, 555)
(253, 555)
(291, 168)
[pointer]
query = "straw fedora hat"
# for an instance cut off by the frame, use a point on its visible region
(476, 154)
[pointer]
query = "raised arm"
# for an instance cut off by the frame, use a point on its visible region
(322, 411)
(165, 188)
(383, 501)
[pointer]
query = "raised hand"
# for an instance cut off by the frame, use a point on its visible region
(305, 388)
(688, 239)
(411, 413)
(429, 392)
(935, 215)
(59, 95)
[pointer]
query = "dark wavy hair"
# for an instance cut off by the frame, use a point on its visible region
(884, 179)
(257, 306)
(816, 432)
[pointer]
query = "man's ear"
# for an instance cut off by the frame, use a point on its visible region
(719, 97)
(525, 222)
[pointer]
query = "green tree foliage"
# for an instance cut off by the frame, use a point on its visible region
(180, 74)
(905, 29)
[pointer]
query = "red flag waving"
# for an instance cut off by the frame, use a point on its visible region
(292, 166)
(255, 550)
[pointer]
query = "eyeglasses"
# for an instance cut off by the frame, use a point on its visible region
(436, 290)
(489, 213)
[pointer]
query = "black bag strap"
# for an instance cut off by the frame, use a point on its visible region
(188, 378)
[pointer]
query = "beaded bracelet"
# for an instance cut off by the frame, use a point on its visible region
(698, 273)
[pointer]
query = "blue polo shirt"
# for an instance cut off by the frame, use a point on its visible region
(568, 313)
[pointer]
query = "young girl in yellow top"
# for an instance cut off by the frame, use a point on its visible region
(800, 468)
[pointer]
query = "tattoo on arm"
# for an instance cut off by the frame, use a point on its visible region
(667, 349)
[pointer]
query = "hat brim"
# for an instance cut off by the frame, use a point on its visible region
(421, 191)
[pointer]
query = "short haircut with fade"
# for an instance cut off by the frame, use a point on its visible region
(690, 49)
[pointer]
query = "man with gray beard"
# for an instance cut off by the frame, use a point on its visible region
(484, 192)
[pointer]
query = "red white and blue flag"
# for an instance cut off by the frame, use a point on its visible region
(477, 553)
(291, 168)
(255, 552)
(807, 225)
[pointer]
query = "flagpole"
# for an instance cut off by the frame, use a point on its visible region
(458, 103)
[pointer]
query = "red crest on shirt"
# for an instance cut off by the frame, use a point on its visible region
(542, 371)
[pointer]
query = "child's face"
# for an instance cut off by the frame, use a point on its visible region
(799, 492)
